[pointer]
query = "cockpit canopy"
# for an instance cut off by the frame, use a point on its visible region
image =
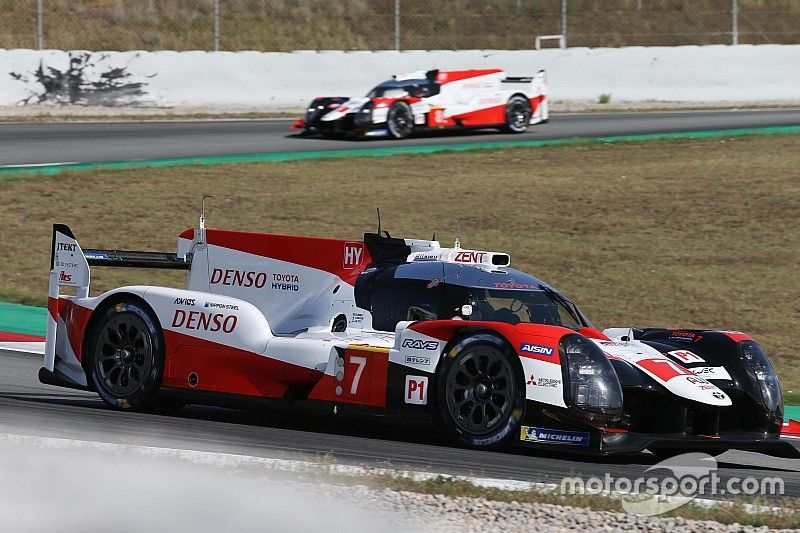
(421, 88)
(436, 290)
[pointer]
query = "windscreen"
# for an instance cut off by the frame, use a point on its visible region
(395, 89)
(514, 306)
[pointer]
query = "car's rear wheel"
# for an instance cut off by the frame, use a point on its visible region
(127, 356)
(481, 393)
(400, 120)
(518, 114)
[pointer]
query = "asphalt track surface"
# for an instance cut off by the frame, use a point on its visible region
(39, 143)
(30, 408)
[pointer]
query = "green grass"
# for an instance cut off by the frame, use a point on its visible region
(694, 233)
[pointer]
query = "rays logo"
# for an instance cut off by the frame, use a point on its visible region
(418, 344)
(536, 348)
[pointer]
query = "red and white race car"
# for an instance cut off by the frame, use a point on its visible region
(434, 99)
(400, 327)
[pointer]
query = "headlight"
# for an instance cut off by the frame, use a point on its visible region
(762, 372)
(364, 115)
(593, 383)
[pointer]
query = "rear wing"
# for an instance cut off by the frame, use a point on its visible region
(69, 267)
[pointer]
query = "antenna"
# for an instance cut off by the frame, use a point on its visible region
(379, 220)
(458, 231)
(202, 227)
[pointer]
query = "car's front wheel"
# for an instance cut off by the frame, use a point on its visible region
(481, 392)
(518, 114)
(127, 356)
(400, 120)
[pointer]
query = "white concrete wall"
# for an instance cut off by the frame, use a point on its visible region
(746, 73)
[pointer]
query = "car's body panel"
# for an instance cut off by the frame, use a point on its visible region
(369, 323)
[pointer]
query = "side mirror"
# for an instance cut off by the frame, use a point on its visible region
(466, 309)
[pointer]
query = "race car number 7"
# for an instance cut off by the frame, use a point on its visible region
(361, 362)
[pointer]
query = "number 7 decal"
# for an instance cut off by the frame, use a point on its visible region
(361, 362)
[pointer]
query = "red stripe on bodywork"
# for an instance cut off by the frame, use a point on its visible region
(737, 336)
(75, 318)
(19, 337)
(329, 255)
(370, 388)
(791, 429)
(221, 368)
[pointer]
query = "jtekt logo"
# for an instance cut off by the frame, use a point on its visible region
(66, 247)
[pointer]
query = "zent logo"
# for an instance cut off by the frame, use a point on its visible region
(64, 277)
(416, 390)
(418, 344)
(353, 254)
(469, 257)
(536, 349)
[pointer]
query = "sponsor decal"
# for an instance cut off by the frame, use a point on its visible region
(416, 390)
(357, 318)
(469, 257)
(63, 276)
(543, 382)
(697, 381)
(66, 264)
(684, 336)
(711, 372)
(718, 395)
(685, 356)
(239, 278)
(537, 349)
(512, 285)
(200, 320)
(285, 282)
(353, 254)
(63, 246)
(554, 436)
(433, 283)
(95, 255)
(426, 257)
(185, 301)
(419, 344)
(215, 305)
(418, 360)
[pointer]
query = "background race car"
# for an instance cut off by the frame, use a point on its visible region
(432, 100)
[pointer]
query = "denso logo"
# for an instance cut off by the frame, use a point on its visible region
(353, 254)
(469, 257)
(536, 348)
(200, 320)
(417, 344)
(240, 278)
(66, 247)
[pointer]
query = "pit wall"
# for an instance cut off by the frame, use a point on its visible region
(744, 73)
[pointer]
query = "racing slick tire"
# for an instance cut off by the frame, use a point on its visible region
(400, 120)
(518, 114)
(481, 392)
(126, 350)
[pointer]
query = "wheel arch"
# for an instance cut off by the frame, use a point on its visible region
(98, 313)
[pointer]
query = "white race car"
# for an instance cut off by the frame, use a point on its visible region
(434, 99)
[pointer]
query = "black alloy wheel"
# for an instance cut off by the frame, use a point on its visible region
(518, 114)
(127, 356)
(400, 120)
(481, 392)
